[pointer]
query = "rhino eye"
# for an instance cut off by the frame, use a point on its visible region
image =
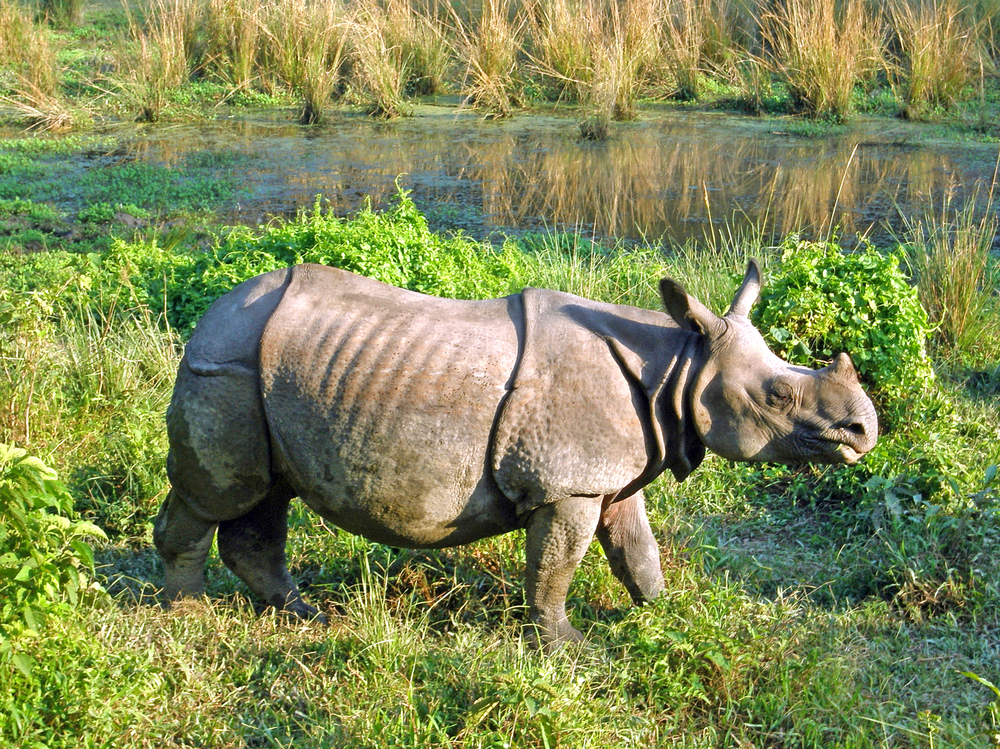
(780, 396)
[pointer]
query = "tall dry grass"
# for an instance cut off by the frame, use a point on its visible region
(822, 48)
(152, 60)
(420, 35)
(235, 31)
(62, 14)
(941, 52)
(28, 50)
(305, 48)
(491, 45)
(686, 25)
(399, 51)
(379, 61)
(565, 35)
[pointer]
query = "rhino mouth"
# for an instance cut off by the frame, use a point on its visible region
(847, 453)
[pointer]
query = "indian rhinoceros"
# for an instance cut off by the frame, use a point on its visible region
(423, 422)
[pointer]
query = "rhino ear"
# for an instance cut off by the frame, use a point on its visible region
(747, 294)
(688, 312)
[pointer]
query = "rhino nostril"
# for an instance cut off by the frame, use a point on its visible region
(855, 427)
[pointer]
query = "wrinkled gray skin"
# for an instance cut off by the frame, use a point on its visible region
(423, 422)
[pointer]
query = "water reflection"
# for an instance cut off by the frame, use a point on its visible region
(670, 175)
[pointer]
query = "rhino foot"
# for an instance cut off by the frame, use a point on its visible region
(551, 637)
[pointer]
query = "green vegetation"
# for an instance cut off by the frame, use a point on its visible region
(75, 62)
(815, 607)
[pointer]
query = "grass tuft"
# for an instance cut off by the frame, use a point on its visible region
(822, 49)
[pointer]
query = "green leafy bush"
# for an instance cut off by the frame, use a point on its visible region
(823, 301)
(395, 247)
(45, 560)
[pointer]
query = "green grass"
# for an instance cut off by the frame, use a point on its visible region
(814, 607)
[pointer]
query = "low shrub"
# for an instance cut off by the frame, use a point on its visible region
(46, 564)
(824, 301)
(394, 247)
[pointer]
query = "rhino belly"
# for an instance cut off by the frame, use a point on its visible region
(381, 411)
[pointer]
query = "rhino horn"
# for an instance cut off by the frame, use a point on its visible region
(747, 293)
(688, 312)
(841, 369)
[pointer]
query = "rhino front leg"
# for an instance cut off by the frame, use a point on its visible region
(630, 547)
(183, 540)
(253, 547)
(558, 535)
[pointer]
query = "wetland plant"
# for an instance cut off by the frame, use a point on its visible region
(420, 37)
(322, 44)
(491, 45)
(564, 37)
(949, 253)
(62, 14)
(152, 62)
(822, 49)
(940, 54)
(685, 29)
(380, 63)
(235, 36)
(26, 47)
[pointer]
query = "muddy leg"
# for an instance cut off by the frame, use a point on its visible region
(558, 536)
(630, 547)
(253, 547)
(183, 540)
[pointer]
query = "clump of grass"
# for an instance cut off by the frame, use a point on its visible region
(321, 46)
(27, 48)
(821, 49)
(491, 45)
(153, 62)
(618, 63)
(683, 39)
(379, 60)
(425, 53)
(62, 14)
(564, 35)
(235, 35)
(950, 256)
(940, 54)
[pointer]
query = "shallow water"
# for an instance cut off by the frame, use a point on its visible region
(670, 174)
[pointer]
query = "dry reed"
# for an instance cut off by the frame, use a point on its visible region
(821, 48)
(940, 53)
(565, 35)
(492, 45)
(685, 35)
(379, 62)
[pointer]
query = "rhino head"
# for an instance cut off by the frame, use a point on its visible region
(751, 405)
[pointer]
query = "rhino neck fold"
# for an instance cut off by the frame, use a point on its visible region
(672, 441)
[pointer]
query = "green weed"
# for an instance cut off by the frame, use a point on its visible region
(809, 608)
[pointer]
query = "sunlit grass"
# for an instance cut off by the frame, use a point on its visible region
(793, 615)
(942, 54)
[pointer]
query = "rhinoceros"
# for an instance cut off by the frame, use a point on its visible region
(422, 422)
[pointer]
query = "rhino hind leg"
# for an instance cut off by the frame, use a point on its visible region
(558, 535)
(253, 547)
(183, 539)
(631, 548)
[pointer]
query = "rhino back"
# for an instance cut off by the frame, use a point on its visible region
(381, 403)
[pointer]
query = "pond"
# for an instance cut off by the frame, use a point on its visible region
(668, 175)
